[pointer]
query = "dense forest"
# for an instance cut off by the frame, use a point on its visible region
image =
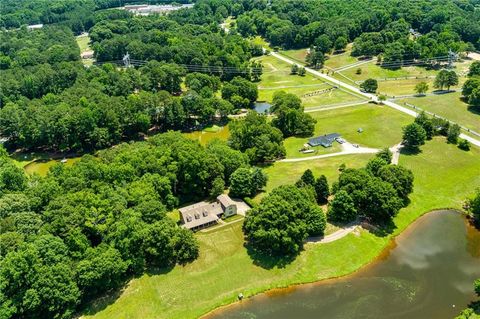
(81, 231)
(78, 232)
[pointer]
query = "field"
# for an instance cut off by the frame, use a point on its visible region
(276, 77)
(209, 133)
(450, 106)
(382, 126)
(332, 61)
(83, 43)
(372, 70)
(444, 177)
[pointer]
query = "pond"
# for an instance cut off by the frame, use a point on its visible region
(427, 272)
(42, 167)
(262, 107)
(206, 135)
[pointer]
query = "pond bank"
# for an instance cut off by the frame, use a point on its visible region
(407, 272)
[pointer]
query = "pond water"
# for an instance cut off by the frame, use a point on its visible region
(43, 166)
(262, 107)
(205, 136)
(427, 272)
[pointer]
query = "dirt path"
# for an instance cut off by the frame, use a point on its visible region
(334, 236)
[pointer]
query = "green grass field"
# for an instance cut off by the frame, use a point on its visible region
(444, 177)
(371, 70)
(83, 43)
(209, 134)
(276, 77)
(338, 60)
(450, 106)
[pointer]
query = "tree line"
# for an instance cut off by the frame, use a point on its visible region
(83, 230)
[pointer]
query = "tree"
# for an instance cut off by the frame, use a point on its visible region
(369, 85)
(246, 181)
(399, 177)
(282, 221)
(342, 208)
(474, 208)
(218, 186)
(375, 164)
(315, 58)
(414, 136)
(307, 178)
(453, 133)
(385, 154)
(340, 43)
(323, 44)
(474, 69)
(321, 189)
(426, 123)
(294, 69)
(302, 71)
(474, 98)
(421, 88)
(464, 145)
(445, 78)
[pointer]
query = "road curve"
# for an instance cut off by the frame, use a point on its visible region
(369, 96)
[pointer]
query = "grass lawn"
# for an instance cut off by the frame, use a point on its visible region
(444, 177)
(294, 144)
(371, 70)
(276, 77)
(382, 126)
(338, 60)
(83, 43)
(298, 55)
(402, 87)
(449, 106)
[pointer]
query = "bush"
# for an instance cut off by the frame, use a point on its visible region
(464, 145)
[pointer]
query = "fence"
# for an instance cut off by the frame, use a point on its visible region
(466, 129)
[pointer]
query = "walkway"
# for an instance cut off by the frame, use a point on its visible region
(396, 153)
(369, 96)
(334, 236)
(347, 149)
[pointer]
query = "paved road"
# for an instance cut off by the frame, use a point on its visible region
(369, 96)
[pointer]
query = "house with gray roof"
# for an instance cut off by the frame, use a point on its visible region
(324, 140)
(204, 214)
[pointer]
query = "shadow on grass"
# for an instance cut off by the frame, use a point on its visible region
(474, 109)
(408, 151)
(380, 229)
(268, 261)
(97, 303)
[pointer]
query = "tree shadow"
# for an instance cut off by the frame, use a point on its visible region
(474, 109)
(380, 229)
(408, 151)
(98, 303)
(268, 261)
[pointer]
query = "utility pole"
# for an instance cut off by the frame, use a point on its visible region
(126, 60)
(452, 57)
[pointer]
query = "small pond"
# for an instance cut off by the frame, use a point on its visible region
(262, 107)
(427, 272)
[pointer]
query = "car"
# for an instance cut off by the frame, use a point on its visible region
(340, 140)
(356, 145)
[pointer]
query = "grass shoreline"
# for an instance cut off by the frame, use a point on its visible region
(218, 310)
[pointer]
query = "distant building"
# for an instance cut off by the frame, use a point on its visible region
(145, 9)
(325, 140)
(34, 26)
(204, 214)
(87, 54)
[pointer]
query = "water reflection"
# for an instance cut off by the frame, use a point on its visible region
(428, 273)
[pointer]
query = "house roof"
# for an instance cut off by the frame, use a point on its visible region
(225, 200)
(200, 213)
(323, 140)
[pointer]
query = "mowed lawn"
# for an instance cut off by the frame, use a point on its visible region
(83, 43)
(381, 125)
(372, 70)
(276, 77)
(449, 106)
(444, 177)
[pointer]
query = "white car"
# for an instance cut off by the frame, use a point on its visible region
(340, 140)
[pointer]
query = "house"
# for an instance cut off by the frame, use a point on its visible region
(204, 214)
(325, 140)
(87, 54)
